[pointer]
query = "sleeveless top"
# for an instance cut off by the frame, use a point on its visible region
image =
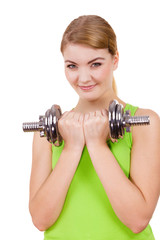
(87, 213)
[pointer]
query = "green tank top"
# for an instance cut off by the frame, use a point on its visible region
(87, 213)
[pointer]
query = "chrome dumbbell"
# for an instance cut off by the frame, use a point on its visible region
(47, 125)
(118, 122)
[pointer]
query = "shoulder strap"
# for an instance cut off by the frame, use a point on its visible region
(132, 109)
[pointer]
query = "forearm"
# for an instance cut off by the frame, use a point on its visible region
(126, 199)
(47, 204)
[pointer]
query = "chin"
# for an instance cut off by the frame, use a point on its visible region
(90, 98)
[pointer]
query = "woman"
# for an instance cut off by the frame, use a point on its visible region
(92, 187)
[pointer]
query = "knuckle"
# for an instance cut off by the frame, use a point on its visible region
(97, 112)
(104, 119)
(86, 123)
(67, 122)
(98, 119)
(64, 114)
(60, 122)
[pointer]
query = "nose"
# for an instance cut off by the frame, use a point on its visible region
(84, 76)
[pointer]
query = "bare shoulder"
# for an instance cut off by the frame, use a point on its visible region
(153, 129)
(148, 112)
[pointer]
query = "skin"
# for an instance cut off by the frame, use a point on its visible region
(87, 124)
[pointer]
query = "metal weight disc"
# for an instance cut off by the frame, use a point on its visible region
(121, 123)
(58, 115)
(112, 118)
(52, 125)
(47, 125)
(118, 120)
(55, 114)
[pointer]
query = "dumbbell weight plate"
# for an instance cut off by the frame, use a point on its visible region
(51, 125)
(112, 118)
(58, 111)
(47, 125)
(119, 120)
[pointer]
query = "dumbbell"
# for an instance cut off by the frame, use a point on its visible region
(118, 122)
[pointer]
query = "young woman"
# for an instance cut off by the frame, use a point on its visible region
(92, 187)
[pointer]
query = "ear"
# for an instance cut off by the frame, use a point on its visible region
(115, 60)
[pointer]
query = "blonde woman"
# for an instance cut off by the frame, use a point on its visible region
(92, 187)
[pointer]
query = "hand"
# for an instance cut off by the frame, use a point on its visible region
(96, 127)
(70, 126)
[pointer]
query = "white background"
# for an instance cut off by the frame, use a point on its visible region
(32, 79)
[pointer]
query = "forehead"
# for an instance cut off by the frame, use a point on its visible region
(79, 52)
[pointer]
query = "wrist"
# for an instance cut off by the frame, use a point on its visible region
(96, 145)
(73, 147)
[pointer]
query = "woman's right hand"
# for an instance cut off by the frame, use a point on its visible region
(70, 126)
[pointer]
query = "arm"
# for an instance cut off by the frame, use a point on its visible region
(140, 193)
(48, 188)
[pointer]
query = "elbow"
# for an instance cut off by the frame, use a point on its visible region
(41, 227)
(37, 220)
(139, 226)
(41, 220)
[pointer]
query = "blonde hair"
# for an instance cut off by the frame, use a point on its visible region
(93, 31)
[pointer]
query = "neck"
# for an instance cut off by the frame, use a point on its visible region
(85, 106)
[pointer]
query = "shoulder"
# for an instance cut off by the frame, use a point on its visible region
(153, 116)
(151, 130)
(148, 112)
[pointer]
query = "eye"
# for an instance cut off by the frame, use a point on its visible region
(96, 64)
(71, 66)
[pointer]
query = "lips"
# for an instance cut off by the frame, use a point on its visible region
(87, 87)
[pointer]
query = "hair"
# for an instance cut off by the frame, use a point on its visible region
(93, 31)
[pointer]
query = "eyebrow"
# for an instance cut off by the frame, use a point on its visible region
(98, 58)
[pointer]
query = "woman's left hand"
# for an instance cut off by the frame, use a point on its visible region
(96, 127)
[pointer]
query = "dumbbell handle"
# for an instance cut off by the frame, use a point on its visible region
(128, 122)
(32, 126)
(136, 120)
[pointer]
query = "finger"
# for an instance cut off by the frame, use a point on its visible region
(114, 140)
(92, 114)
(70, 115)
(98, 113)
(104, 112)
(81, 117)
(76, 116)
(86, 116)
(64, 114)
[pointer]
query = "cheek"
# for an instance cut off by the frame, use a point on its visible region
(104, 74)
(71, 76)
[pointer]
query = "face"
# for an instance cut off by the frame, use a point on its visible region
(89, 71)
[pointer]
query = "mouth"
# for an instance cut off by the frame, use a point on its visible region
(85, 88)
